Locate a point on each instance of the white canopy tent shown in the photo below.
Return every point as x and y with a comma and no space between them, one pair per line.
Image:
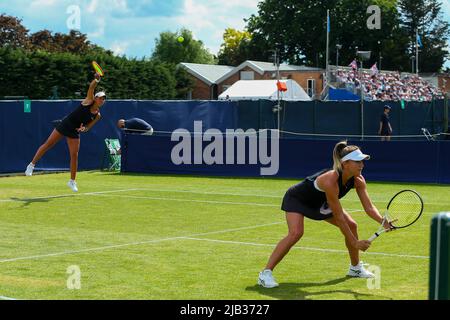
264,89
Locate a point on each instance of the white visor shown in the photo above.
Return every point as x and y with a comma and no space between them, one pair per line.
356,155
100,94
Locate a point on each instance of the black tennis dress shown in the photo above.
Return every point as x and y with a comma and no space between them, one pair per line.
307,199
384,119
69,125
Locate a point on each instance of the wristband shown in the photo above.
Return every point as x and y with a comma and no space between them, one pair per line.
97,80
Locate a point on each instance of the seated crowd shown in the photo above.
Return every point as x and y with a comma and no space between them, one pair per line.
388,86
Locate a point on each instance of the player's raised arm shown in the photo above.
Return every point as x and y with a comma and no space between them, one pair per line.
90,94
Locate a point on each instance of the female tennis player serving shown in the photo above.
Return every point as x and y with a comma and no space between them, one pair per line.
80,120
317,197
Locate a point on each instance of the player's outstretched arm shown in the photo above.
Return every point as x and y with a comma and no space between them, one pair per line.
90,94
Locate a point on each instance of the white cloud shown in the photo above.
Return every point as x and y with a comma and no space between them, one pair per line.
42,3
446,7
120,5
106,8
100,31
251,4
92,7
209,19
119,47
196,15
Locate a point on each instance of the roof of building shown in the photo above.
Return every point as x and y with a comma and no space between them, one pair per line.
214,74
269,66
209,73
262,67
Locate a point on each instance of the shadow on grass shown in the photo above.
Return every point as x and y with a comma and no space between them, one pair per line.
27,201
295,291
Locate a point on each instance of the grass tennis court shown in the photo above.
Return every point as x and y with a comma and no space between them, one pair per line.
183,237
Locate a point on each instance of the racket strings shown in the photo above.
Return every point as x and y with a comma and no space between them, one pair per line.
97,68
404,209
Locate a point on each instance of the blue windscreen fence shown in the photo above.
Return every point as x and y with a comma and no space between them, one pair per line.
402,161
23,130
21,133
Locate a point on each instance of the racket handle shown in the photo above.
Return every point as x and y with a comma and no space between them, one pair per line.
373,237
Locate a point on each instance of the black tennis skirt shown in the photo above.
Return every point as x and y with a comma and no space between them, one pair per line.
293,204
65,129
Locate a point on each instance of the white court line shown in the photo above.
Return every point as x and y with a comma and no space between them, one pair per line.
208,201
132,243
374,199
177,191
307,248
6,298
106,194
192,200
193,237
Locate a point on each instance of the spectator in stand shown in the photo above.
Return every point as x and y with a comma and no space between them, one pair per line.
388,86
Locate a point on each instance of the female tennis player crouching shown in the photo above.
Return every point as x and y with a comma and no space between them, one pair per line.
317,197
80,120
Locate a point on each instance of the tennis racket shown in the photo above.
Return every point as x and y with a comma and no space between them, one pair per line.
97,68
402,211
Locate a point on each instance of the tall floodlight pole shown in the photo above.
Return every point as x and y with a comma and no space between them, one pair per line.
417,52
338,47
276,63
278,91
362,100
380,58
363,55
446,125
327,68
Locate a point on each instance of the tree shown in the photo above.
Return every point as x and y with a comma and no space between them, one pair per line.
15,35
298,29
42,40
295,28
169,49
74,42
71,73
12,32
185,83
426,17
235,48
389,42
62,63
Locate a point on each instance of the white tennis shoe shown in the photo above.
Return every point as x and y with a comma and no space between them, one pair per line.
266,279
73,185
29,171
359,271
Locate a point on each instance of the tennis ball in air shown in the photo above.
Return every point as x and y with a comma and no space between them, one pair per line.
180,39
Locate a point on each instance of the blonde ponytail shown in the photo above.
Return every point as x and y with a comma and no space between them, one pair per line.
341,149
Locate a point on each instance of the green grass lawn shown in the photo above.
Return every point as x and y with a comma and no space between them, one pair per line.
183,237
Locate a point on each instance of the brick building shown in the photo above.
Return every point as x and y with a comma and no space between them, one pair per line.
212,80
439,80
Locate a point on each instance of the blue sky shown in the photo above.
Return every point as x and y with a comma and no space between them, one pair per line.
130,27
